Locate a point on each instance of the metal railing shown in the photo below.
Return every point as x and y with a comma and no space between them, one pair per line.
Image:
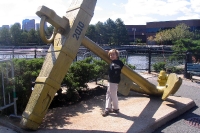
125,52
7,86
22,53
122,54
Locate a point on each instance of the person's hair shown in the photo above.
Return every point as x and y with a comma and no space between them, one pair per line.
113,51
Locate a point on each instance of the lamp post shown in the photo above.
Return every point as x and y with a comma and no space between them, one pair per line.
134,29
100,38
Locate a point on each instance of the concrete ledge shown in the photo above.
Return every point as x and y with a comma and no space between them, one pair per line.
170,109
138,114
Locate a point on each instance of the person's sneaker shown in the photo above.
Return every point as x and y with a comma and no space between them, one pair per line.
110,111
105,113
115,111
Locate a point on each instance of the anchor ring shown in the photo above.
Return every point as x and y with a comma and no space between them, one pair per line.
42,33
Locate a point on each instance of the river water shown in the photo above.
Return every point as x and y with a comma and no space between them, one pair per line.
140,61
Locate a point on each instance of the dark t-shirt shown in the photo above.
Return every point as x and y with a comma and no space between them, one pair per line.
115,71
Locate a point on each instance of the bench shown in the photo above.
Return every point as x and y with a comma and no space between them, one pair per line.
193,69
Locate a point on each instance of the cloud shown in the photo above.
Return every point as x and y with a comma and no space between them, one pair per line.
97,8
114,4
142,11
132,12
189,16
195,6
136,19
158,7
22,9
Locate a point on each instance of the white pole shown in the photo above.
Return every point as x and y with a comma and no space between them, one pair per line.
134,29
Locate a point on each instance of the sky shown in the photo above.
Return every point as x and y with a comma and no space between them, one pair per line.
131,12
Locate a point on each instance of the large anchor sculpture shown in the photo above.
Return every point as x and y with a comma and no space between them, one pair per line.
69,33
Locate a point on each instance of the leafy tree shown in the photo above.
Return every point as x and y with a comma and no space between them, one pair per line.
150,39
38,38
186,45
110,32
24,37
185,40
15,32
101,32
121,35
5,37
91,33
182,38
196,35
16,37
32,37
110,27
181,31
49,31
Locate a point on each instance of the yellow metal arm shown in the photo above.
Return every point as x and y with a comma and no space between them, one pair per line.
172,85
143,85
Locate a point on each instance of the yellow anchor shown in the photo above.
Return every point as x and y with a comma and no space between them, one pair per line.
69,33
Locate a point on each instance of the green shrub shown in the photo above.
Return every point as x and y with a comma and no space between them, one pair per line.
79,73
26,71
175,70
82,72
100,69
159,66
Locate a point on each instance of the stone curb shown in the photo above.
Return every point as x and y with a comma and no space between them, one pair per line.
169,117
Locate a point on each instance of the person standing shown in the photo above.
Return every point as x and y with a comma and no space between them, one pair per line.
114,78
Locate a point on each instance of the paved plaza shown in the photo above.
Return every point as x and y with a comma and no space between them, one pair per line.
139,113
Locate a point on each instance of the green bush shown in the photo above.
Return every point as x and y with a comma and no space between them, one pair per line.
159,66
175,70
26,71
82,72
77,77
100,69
6,82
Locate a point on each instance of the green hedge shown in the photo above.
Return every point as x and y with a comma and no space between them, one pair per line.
159,66
77,77
27,70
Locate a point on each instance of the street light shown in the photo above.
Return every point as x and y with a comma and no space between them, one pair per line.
100,38
134,29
